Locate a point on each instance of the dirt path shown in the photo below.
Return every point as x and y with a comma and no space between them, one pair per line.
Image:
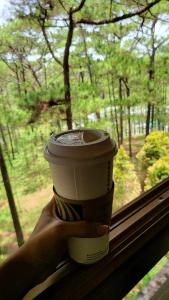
34,200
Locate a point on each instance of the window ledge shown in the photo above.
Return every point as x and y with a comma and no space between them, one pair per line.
139,237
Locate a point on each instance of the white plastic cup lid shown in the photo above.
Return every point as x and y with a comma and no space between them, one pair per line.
80,145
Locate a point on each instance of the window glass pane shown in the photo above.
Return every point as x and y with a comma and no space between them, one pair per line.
148,166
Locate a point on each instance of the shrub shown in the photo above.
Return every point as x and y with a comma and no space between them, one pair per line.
156,146
157,172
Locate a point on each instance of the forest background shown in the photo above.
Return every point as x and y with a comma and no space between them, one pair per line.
71,64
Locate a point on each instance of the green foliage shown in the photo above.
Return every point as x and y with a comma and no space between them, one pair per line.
156,146
29,162
125,178
5,218
153,158
157,172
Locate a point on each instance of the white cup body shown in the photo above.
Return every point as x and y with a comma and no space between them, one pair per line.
88,250
82,182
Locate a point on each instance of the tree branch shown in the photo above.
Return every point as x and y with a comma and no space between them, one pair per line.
161,43
41,20
61,3
119,18
79,7
34,74
8,65
49,45
110,11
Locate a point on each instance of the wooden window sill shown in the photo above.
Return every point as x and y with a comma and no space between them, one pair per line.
139,237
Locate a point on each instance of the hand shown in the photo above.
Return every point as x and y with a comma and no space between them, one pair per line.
39,256
48,242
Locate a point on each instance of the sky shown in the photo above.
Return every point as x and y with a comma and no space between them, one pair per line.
3,9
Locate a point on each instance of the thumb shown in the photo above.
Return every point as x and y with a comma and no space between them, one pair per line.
83,229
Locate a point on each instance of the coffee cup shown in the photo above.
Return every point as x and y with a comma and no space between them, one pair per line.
81,163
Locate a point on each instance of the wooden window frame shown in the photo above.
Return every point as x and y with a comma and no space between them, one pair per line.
139,237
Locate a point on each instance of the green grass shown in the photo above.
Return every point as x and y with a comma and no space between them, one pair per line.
29,209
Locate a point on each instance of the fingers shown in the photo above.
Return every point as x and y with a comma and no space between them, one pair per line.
49,205
82,229
50,208
69,229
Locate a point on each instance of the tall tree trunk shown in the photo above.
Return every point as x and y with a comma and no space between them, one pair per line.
115,115
66,71
18,80
129,127
66,75
117,125
165,105
11,141
142,127
98,115
152,115
139,127
125,80
110,97
134,128
23,77
81,75
151,74
121,111
45,74
148,117
158,119
89,63
11,200
5,143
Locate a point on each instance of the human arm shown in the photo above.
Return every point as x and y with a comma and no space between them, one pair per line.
39,256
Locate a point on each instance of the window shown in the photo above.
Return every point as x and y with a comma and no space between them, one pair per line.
139,237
